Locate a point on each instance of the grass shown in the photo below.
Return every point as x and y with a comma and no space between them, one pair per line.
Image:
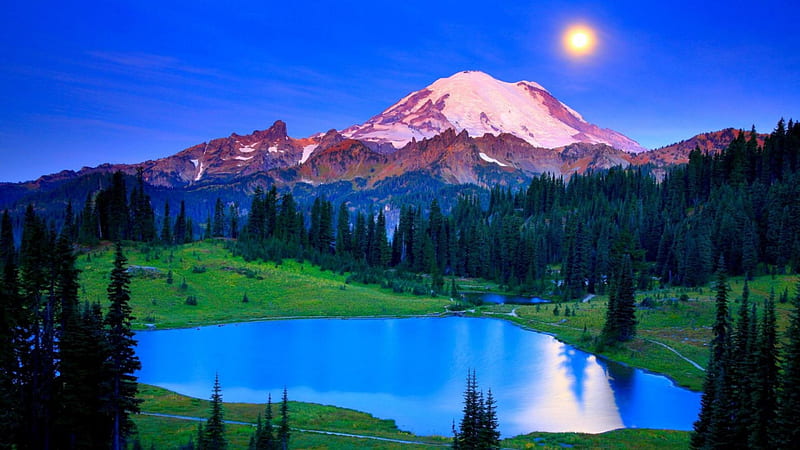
219,282
622,439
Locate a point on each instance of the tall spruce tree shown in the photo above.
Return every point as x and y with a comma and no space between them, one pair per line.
764,399
478,426
283,427
786,432
264,438
713,426
10,312
742,369
218,228
214,437
166,226
122,362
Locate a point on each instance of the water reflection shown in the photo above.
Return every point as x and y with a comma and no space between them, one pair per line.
413,371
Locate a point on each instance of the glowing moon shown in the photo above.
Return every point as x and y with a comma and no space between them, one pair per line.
579,40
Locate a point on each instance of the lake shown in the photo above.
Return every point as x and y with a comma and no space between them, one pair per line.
414,371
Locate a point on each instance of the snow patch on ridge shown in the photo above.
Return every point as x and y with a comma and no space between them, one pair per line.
489,159
307,151
244,158
273,149
248,148
199,172
195,162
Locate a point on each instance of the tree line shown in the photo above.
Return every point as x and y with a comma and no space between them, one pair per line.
566,239
751,393
66,369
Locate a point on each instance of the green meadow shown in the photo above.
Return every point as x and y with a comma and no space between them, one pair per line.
210,286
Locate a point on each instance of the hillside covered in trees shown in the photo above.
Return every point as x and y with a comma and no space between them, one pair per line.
556,237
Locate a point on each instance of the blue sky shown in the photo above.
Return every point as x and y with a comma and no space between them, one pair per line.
84,83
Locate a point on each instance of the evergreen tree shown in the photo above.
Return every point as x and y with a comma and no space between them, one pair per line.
179,232
122,362
214,435
218,229
488,434
742,369
10,313
36,333
264,437
478,426
233,213
712,428
620,325
764,399
283,426
344,237
786,433
166,227
88,230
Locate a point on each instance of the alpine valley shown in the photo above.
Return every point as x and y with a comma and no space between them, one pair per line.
464,133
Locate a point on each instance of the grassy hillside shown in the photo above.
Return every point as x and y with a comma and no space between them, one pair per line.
219,282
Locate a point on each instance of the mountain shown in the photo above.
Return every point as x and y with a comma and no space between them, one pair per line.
678,153
466,132
476,102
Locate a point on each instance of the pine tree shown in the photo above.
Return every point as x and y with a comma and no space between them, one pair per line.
786,432
218,229
620,325
166,227
478,426
713,425
122,362
489,435
343,235
742,368
283,426
265,438
233,213
214,436
10,312
764,399
179,232
35,333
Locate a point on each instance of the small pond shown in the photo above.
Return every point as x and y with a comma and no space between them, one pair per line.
499,299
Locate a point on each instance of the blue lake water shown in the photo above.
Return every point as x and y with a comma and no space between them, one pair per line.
414,370
488,297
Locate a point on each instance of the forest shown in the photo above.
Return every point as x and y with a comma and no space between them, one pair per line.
559,238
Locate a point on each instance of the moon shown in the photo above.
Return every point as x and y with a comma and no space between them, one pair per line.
579,40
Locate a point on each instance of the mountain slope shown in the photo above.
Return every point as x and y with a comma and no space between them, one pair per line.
476,102
712,142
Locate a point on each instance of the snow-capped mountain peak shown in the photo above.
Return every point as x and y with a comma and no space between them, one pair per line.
478,103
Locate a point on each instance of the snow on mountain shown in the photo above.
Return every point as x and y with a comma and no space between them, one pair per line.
476,102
